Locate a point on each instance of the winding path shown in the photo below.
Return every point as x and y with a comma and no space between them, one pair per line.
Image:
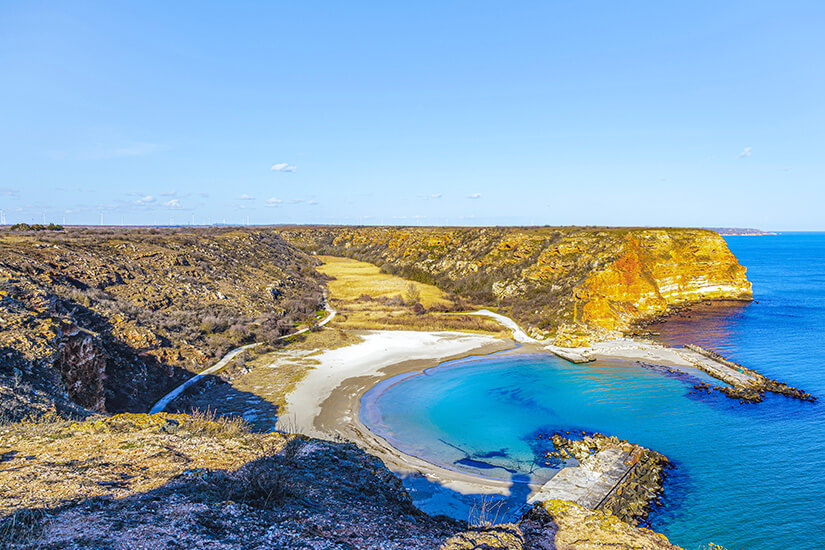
518,333
169,397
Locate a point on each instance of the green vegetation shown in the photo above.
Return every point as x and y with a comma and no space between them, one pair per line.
35,227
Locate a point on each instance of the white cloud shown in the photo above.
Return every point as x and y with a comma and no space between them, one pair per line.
246,197
435,196
746,152
147,199
474,196
8,191
174,203
283,167
273,202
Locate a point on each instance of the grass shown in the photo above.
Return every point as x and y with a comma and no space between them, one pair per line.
389,320
354,279
271,376
485,512
367,299
282,370
117,456
209,424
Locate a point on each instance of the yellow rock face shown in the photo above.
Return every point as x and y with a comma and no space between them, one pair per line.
656,269
572,284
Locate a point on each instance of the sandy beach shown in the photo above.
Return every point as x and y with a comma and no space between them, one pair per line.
327,401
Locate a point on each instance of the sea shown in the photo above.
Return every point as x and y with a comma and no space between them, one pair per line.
744,475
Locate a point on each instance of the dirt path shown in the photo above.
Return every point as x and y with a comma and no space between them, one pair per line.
169,397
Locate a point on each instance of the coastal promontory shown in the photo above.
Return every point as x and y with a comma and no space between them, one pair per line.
570,284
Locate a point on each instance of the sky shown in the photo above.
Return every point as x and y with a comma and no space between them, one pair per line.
436,113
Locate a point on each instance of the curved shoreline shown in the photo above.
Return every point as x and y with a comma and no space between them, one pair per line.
327,402
336,411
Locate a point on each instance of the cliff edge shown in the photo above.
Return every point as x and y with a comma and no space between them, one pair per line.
568,284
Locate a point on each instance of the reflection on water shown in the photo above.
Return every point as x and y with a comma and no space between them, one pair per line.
709,324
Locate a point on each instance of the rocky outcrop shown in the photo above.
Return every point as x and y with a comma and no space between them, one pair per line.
746,384
608,474
82,365
574,527
177,481
181,481
108,320
493,537
560,525
566,283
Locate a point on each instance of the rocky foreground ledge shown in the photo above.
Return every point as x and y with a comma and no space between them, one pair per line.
181,481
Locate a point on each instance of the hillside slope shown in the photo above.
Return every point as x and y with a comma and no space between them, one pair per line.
566,283
179,481
109,320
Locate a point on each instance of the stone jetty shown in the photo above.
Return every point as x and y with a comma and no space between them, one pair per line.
745,384
612,475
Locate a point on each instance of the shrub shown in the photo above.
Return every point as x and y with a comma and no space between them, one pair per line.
262,483
412,293
36,227
212,324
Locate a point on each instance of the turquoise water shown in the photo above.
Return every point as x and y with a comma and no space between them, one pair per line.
745,476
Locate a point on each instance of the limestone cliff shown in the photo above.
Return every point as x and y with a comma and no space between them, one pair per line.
565,283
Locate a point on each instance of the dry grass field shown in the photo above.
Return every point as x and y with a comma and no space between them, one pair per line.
368,299
354,279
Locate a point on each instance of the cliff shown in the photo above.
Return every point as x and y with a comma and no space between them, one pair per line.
569,284
108,320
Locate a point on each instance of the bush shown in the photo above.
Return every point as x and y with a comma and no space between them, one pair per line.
266,482
212,324
262,483
207,423
36,227
412,293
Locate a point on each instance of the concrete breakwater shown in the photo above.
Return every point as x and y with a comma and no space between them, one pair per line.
745,384
612,475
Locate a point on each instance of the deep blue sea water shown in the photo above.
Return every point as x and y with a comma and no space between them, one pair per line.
745,476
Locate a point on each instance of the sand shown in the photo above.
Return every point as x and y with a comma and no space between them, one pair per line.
327,401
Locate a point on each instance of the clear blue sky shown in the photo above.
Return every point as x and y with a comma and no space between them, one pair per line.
615,113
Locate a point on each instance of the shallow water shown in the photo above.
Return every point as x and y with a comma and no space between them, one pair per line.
746,476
